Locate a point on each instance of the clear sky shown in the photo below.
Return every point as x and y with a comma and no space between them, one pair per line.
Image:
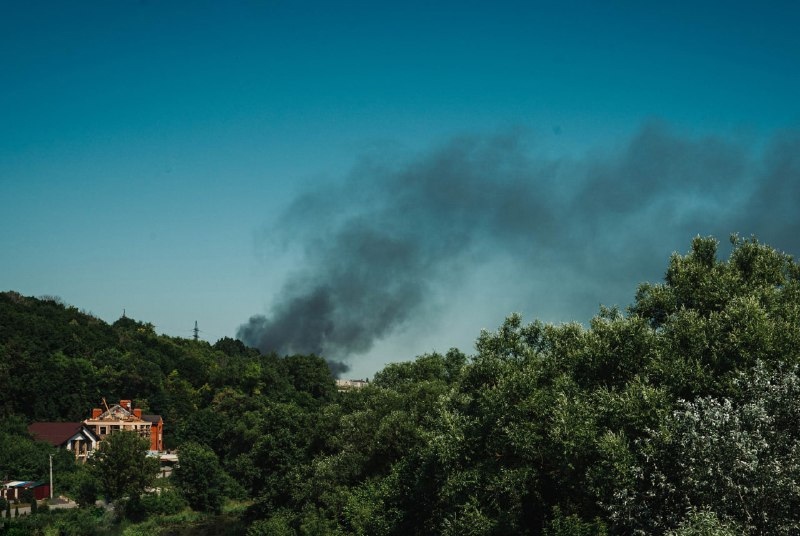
383,179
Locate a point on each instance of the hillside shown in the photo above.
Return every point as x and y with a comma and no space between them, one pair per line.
59,362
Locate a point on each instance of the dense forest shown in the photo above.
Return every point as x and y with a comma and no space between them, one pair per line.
679,415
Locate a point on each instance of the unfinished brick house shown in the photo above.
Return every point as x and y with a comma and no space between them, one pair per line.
124,416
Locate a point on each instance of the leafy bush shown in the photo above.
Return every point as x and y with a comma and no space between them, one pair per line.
167,502
704,523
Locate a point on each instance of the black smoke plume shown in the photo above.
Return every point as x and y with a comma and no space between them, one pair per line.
382,248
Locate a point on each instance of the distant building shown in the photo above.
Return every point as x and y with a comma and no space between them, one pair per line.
73,436
347,385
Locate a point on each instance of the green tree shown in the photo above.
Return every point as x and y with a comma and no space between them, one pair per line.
200,478
121,466
735,458
278,524
85,489
704,523
714,318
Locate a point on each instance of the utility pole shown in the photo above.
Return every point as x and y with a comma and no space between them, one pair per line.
196,331
51,477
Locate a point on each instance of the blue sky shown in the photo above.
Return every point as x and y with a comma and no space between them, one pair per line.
212,161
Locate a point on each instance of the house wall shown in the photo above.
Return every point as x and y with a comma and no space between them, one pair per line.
157,436
81,448
42,492
104,427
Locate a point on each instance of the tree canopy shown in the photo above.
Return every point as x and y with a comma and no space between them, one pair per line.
121,466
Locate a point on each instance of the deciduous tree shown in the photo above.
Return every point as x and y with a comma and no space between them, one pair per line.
200,478
122,467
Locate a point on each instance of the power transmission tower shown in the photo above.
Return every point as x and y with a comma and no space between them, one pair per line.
196,331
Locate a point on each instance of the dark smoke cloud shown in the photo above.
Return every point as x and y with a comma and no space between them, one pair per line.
384,246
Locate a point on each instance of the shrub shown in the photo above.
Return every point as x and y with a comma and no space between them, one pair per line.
168,502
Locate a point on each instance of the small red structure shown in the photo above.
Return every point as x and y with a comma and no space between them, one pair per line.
12,490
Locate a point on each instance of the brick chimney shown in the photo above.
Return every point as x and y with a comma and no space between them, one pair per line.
96,412
125,404
137,413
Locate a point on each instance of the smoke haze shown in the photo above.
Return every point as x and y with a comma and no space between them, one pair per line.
383,249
